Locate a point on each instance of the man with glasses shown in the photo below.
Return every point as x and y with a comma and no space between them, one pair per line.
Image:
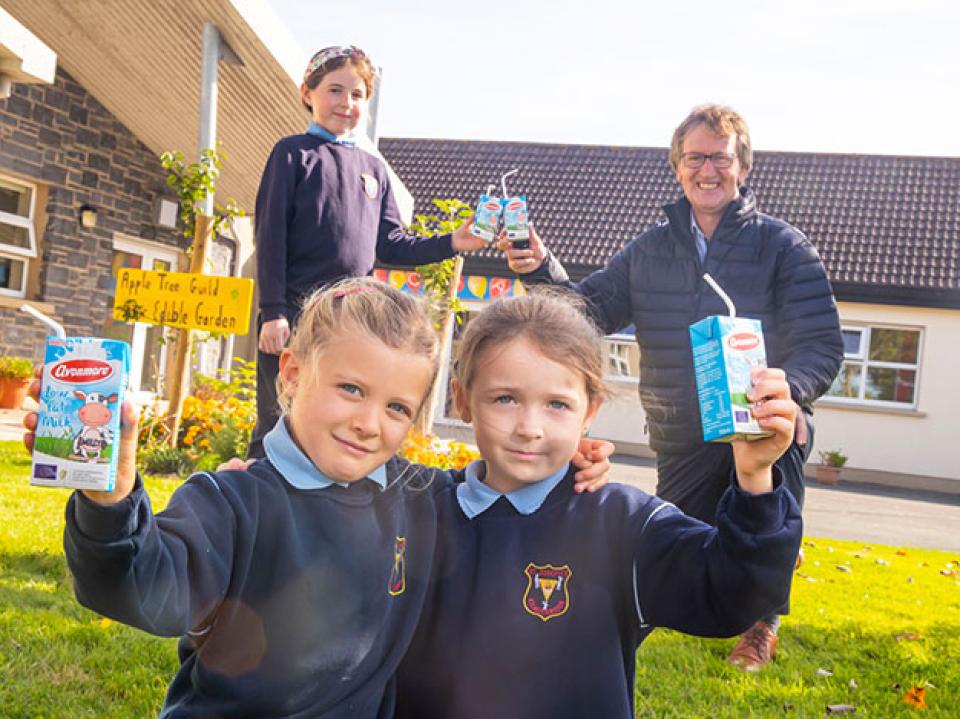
772,273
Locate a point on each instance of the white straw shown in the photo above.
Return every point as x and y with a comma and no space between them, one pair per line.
723,295
490,189
57,328
503,181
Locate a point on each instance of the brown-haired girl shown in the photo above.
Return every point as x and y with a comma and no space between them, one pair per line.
541,596
325,211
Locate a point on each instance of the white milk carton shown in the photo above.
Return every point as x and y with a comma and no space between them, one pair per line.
487,217
515,221
78,425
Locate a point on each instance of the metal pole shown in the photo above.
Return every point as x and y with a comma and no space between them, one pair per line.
208,98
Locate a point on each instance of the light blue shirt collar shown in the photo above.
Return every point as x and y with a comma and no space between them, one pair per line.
315,129
699,237
475,497
296,468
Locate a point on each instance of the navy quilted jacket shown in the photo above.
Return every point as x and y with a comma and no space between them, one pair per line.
769,269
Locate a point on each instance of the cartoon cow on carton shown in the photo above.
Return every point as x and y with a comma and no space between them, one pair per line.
93,437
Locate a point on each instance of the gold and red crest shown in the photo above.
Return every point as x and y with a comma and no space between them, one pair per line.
547,595
398,581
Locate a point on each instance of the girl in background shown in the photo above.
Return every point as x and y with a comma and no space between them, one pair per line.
324,212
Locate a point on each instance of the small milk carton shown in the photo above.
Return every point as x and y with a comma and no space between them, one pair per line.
725,349
487,217
78,424
515,221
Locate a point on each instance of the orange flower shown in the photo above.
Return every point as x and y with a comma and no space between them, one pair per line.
915,696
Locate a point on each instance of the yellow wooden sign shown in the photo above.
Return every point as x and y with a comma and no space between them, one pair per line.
182,299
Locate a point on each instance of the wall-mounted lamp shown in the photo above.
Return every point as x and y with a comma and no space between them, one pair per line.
88,216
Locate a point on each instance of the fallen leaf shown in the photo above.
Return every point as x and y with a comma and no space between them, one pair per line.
909,580
907,635
841,709
866,548
900,553
923,564
858,556
915,696
824,672
103,622
948,572
883,562
808,543
853,684
844,568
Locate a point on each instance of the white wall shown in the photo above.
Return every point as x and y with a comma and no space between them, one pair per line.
922,442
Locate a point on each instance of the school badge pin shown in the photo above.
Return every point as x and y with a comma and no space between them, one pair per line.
547,596
398,574
370,185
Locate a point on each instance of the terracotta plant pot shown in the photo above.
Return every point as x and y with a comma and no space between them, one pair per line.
13,392
828,475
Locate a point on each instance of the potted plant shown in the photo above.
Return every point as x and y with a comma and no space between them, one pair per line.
828,471
15,376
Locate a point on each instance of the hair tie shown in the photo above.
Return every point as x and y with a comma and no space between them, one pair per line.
340,294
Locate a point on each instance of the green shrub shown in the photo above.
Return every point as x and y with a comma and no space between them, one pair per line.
16,368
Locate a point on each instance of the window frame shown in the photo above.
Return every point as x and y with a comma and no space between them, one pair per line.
20,254
862,359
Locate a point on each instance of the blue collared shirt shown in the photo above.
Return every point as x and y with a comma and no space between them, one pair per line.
296,468
315,129
699,237
476,497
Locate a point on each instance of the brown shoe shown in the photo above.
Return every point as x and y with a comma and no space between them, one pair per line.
756,648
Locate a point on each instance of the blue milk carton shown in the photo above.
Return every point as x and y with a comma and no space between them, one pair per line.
487,217
725,349
78,424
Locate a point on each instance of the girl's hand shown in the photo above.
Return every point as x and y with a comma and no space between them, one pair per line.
592,459
776,411
463,239
524,261
235,463
274,335
127,462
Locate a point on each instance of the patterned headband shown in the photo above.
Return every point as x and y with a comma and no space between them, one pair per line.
331,53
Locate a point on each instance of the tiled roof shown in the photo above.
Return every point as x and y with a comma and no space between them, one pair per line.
885,226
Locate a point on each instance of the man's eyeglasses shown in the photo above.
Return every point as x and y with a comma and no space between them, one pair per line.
695,160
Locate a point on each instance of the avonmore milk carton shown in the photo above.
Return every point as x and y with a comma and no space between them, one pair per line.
487,217
515,221
725,349
78,424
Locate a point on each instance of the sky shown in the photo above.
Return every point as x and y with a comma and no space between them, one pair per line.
847,76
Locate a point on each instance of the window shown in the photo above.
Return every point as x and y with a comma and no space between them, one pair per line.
621,357
18,242
880,366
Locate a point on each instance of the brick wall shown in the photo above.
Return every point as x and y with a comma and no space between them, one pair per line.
61,137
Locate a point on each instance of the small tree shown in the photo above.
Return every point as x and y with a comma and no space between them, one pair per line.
194,182
440,282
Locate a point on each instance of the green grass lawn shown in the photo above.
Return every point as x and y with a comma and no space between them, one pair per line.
889,623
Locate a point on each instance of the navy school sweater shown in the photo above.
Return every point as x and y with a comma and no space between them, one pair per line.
541,615
325,212
290,603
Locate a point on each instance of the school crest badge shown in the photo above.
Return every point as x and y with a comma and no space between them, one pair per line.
398,576
370,185
547,595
